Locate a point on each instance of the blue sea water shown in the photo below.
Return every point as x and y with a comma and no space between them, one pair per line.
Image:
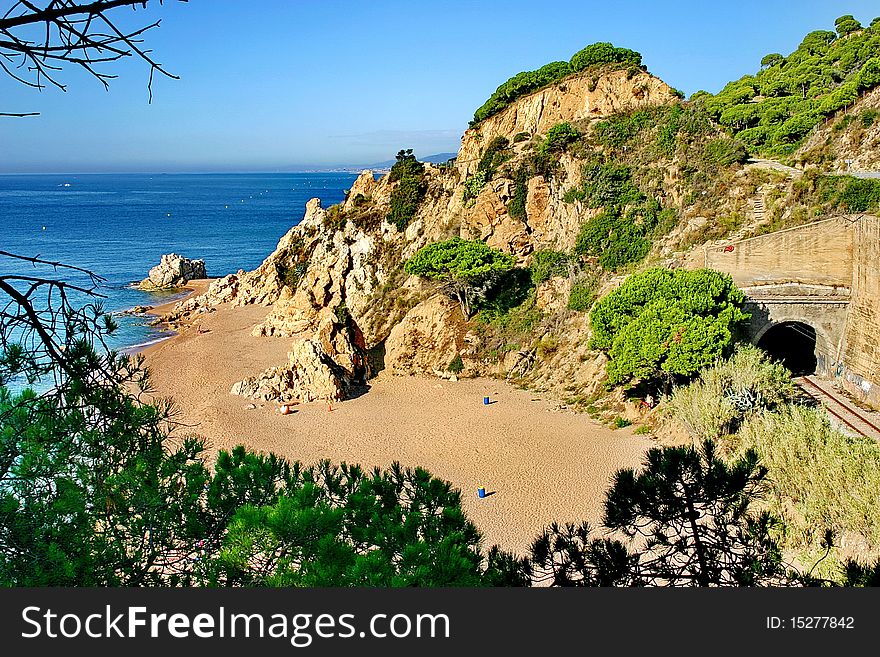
119,225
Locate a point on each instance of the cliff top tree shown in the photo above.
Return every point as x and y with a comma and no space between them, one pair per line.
667,324
463,266
526,82
409,174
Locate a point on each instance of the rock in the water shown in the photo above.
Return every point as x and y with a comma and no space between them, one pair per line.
173,271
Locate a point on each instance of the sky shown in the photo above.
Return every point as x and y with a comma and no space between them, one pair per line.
284,85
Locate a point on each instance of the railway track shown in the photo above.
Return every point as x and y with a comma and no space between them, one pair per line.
841,410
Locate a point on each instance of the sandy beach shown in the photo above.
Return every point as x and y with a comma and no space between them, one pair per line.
538,464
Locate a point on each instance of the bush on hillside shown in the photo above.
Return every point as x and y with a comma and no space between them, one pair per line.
731,391
667,324
821,479
407,196
558,138
527,82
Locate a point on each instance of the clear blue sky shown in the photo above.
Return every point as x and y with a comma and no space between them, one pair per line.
284,84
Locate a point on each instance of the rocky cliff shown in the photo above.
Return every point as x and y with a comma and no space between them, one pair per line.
336,284
173,271
586,96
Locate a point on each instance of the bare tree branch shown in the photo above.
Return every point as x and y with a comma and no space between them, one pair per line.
38,39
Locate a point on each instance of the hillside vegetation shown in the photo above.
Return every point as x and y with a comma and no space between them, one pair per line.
526,82
773,110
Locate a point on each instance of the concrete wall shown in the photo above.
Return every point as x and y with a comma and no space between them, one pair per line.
825,274
861,358
818,253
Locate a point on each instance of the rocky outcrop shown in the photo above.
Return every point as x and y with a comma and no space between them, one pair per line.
310,375
428,338
336,284
552,295
173,271
586,96
324,366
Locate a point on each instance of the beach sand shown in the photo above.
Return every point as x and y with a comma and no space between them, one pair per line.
538,464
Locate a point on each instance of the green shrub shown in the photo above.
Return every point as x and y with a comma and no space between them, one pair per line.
669,324
849,193
729,392
334,218
407,196
456,365
521,136
614,238
547,264
583,293
473,186
547,346
512,289
405,166
621,422
725,151
558,138
820,478
496,152
516,208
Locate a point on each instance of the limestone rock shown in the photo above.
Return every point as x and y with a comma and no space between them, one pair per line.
361,190
579,97
552,295
324,366
309,375
427,339
173,271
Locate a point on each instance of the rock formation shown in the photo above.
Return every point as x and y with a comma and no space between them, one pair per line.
173,271
336,285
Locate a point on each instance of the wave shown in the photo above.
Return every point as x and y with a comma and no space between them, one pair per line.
135,348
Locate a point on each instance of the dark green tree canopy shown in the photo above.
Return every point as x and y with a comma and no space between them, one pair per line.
461,265
847,25
662,323
604,53
772,59
406,197
690,513
773,110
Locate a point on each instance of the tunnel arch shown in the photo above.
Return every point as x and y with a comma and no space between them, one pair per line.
793,343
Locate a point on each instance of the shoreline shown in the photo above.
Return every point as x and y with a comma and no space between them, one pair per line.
192,288
538,463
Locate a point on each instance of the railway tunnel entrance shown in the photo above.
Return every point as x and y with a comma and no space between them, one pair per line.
793,344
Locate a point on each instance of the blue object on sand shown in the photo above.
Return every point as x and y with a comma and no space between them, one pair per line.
481,492
485,401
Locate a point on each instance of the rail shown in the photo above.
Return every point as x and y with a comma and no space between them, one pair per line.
811,387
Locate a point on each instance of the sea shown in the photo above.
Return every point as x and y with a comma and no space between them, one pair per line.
119,225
